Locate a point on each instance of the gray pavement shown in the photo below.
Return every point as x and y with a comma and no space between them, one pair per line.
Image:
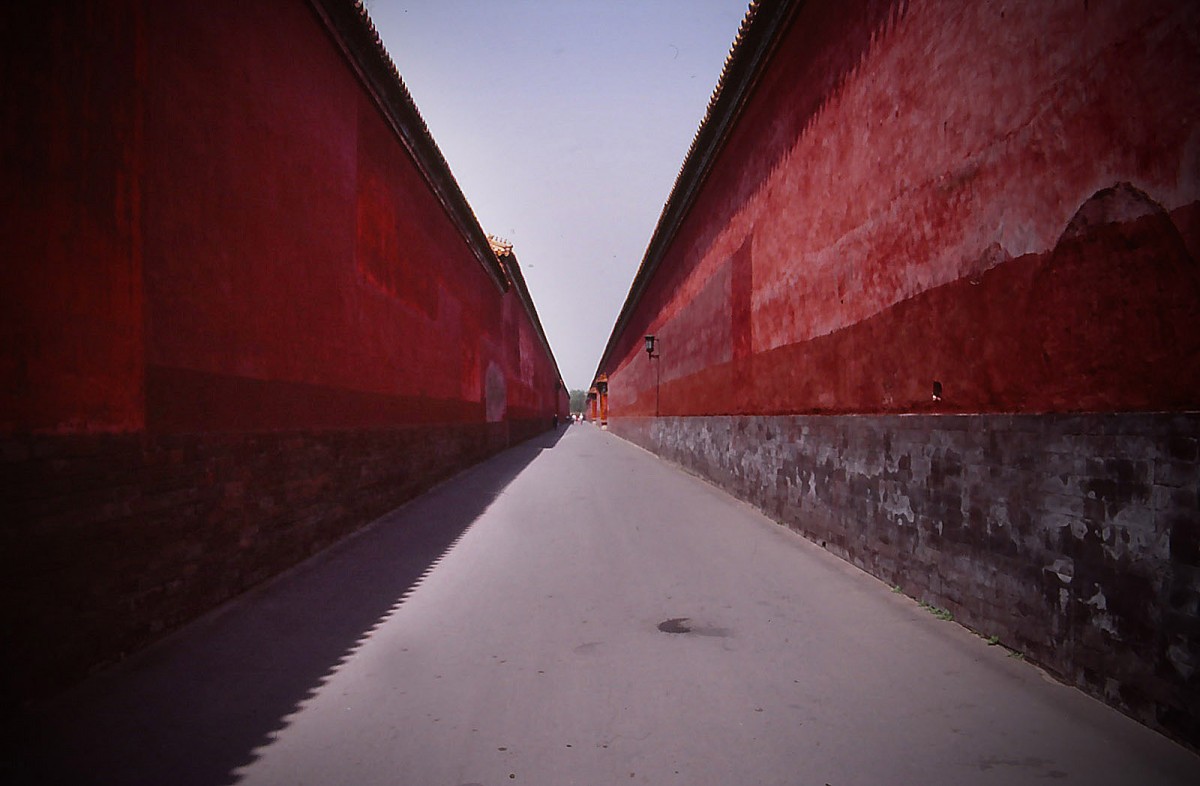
504,628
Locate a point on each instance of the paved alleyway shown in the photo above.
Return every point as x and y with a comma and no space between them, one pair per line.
505,629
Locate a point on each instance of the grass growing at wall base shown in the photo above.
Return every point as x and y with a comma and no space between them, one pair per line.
947,615
937,611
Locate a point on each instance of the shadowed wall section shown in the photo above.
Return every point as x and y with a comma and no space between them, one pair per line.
911,241
246,310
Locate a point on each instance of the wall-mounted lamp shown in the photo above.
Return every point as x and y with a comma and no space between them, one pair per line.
650,344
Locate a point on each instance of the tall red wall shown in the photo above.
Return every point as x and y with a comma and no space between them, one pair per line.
218,230
998,197
238,319
71,301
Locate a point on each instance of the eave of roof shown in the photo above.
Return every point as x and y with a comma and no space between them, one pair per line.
756,40
352,30
512,268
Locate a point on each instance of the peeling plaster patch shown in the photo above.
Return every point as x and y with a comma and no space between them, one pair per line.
1123,203
1182,659
1105,623
1064,569
901,509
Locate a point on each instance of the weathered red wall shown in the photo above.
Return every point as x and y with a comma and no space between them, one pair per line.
238,320
70,283
1003,198
215,228
297,257
999,198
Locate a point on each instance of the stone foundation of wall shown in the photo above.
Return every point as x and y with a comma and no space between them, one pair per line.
1075,539
109,541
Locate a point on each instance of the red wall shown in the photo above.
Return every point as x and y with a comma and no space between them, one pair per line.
238,321
219,231
999,198
71,303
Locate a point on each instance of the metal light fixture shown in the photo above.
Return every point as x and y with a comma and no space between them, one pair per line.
650,343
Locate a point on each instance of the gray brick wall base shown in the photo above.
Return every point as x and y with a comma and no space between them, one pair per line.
108,542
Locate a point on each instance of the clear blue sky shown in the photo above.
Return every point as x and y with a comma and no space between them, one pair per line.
565,124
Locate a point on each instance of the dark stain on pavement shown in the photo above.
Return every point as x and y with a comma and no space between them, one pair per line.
675,625
685,625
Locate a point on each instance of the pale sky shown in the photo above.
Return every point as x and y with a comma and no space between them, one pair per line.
565,124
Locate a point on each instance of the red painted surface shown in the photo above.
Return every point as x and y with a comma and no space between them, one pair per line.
238,323
216,229
70,162
1002,199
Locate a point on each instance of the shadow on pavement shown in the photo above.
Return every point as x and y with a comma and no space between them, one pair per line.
194,708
